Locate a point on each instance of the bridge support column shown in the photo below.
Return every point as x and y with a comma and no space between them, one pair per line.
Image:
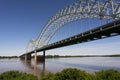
27,58
35,57
44,56
35,62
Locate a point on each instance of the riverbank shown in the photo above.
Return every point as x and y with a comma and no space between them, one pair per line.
66,74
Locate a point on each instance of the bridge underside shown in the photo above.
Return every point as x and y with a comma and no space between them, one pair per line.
107,9
28,57
82,9
108,30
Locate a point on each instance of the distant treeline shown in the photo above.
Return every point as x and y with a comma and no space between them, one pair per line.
67,56
115,55
8,57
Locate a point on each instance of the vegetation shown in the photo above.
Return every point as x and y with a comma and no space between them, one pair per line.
75,74
66,74
69,74
9,57
68,56
116,55
108,75
15,75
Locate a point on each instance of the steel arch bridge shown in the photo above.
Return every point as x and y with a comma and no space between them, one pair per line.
101,9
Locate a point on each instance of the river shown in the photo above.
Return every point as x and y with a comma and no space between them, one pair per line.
89,64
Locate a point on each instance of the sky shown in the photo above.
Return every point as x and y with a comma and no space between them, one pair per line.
23,20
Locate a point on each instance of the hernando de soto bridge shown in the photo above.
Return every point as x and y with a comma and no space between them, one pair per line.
83,9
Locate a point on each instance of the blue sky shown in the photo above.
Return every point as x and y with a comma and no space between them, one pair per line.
22,20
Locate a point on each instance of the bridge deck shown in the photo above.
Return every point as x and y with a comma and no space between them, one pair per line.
104,31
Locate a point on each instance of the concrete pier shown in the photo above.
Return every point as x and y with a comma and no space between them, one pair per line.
27,57
35,58
41,58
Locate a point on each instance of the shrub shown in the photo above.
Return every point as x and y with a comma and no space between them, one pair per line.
75,74
69,74
15,75
49,76
66,74
108,75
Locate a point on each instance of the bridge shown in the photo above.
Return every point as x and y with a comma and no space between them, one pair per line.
83,9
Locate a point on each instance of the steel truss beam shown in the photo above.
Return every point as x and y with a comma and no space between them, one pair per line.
102,9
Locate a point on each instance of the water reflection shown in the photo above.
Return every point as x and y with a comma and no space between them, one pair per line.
90,64
32,65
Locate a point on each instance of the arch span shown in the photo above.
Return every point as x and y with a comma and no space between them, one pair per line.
107,9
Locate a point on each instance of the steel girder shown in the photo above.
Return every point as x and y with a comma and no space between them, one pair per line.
102,9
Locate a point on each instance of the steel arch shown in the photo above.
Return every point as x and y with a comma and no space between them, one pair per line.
102,9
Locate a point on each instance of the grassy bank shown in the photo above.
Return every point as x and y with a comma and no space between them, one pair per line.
66,74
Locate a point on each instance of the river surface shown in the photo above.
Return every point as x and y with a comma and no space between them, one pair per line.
89,64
